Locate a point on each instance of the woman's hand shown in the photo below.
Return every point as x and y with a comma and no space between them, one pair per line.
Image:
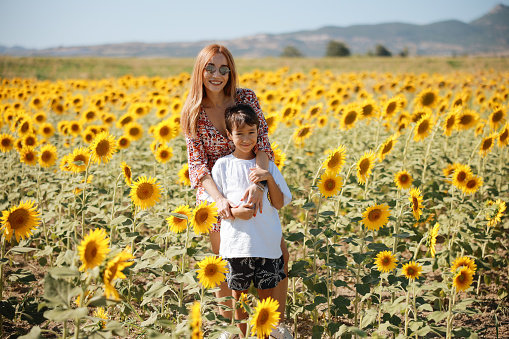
254,196
244,212
224,207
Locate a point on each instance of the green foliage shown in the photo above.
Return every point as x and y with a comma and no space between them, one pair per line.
291,52
337,49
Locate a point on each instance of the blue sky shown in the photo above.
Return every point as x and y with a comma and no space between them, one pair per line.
52,23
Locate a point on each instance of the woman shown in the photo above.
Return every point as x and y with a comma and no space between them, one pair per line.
214,88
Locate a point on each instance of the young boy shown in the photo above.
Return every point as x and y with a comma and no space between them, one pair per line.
250,244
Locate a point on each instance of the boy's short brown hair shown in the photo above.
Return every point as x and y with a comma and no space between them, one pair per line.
238,115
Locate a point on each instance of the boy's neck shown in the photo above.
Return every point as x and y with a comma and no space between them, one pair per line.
243,156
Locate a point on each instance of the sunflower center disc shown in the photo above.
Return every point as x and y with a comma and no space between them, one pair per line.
164,131
364,165
334,160
263,316
18,218
350,118
145,191
102,148
203,216
403,178
330,184
211,270
374,215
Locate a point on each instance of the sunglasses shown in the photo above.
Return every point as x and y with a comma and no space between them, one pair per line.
223,70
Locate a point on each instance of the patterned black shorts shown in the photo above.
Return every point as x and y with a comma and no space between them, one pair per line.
264,273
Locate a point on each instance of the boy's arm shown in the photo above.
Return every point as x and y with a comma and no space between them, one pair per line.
244,212
276,195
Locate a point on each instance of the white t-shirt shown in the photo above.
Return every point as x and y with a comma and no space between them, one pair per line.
259,236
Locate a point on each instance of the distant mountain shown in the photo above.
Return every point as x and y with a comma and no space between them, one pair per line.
487,35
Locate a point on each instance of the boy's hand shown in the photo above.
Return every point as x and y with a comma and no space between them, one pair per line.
258,174
244,212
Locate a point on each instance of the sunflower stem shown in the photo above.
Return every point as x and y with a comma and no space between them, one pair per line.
2,253
406,145
83,201
452,300
112,227
39,202
482,257
427,153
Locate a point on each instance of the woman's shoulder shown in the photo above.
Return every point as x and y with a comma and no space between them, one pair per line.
245,94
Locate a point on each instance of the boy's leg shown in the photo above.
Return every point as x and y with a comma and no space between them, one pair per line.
240,313
224,291
281,290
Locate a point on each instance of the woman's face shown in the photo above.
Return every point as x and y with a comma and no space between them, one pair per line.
215,82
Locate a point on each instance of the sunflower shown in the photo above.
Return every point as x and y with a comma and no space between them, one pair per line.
427,98
265,318
114,270
196,321
330,184
279,156
302,133
450,123
20,220
463,262
385,261
463,279
48,156
93,249
272,122
123,142
412,270
102,147
403,180
322,121
467,119
376,216
28,156
89,115
486,145
139,109
387,147
165,131
75,128
6,142
204,216
432,239
390,108
349,116
494,216
47,130
315,110
416,200
335,160
124,120
145,192
101,313
368,109
212,271
126,170
133,131
30,140
460,175
89,181
497,117
78,160
364,166
176,224
423,127
163,154
184,175
472,184
419,112
503,136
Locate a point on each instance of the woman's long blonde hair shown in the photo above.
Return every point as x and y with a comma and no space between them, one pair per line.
192,106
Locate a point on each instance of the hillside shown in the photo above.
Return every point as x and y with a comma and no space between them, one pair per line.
488,34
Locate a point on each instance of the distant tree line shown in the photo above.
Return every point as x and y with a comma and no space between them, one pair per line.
340,49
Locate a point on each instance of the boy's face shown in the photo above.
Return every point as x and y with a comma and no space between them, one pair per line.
244,138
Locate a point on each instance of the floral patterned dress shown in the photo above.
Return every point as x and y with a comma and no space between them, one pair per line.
209,144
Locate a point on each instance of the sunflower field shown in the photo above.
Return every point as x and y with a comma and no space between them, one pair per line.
397,227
